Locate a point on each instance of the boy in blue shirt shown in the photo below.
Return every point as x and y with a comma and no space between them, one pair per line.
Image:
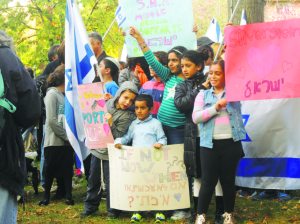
145,131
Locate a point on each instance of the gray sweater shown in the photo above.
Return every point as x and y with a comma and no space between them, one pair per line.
121,118
55,133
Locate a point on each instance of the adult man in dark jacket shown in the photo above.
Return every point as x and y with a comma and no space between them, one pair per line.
21,91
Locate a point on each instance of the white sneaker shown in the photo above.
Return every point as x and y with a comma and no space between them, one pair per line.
228,218
200,219
178,215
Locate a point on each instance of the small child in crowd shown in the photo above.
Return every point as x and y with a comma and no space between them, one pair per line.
155,87
145,131
110,68
119,118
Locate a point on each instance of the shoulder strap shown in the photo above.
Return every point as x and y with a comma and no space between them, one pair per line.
5,103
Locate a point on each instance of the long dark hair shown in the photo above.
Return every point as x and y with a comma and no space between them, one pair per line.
178,51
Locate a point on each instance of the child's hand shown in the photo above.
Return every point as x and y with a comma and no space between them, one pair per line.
220,104
107,96
134,32
157,145
206,83
108,117
118,146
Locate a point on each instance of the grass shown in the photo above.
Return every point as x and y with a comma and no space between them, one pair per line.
246,210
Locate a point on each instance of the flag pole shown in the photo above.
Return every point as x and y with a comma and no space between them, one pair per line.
230,21
109,28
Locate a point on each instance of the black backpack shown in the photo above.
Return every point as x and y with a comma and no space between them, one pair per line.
5,104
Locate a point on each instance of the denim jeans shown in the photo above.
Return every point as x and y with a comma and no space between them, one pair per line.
8,207
174,135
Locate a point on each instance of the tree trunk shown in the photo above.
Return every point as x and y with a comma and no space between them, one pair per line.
254,10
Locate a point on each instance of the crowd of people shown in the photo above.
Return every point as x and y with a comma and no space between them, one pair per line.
162,98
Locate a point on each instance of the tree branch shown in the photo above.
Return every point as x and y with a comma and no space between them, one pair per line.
38,9
25,38
29,27
93,9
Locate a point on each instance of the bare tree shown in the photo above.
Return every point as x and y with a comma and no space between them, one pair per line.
254,10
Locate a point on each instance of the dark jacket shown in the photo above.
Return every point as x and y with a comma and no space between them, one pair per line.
185,94
22,92
101,57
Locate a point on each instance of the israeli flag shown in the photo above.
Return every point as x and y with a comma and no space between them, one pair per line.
120,16
243,18
272,155
79,64
214,32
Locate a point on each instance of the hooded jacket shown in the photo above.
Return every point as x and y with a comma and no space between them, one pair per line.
121,118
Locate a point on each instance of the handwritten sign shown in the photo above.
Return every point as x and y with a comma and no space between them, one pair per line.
163,23
93,108
145,179
281,10
262,61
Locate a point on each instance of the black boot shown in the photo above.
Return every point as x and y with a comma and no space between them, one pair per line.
219,210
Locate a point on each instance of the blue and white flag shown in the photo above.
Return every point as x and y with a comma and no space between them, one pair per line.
243,18
79,65
272,145
120,16
214,32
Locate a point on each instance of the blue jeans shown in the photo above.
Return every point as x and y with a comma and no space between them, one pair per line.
8,207
174,135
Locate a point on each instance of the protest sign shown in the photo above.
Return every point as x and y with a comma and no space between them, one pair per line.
163,24
93,108
262,62
145,179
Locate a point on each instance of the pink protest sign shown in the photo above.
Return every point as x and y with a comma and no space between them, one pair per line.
262,61
93,108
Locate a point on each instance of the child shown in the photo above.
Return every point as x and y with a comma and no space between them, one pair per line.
155,87
192,64
221,132
119,118
144,131
57,150
109,68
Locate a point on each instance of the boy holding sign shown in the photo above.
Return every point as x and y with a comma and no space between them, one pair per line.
144,131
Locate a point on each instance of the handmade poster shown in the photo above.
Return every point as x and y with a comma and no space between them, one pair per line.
145,179
262,61
163,23
93,109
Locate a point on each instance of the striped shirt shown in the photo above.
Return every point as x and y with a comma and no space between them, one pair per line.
168,114
156,90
